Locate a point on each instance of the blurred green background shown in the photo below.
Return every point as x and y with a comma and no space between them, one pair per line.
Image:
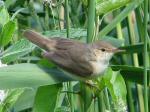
32,84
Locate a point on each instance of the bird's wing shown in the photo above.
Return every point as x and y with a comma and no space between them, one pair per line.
63,60
64,43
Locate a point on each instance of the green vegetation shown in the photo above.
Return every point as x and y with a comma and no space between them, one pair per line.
33,84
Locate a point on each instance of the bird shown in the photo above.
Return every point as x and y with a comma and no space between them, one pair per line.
85,60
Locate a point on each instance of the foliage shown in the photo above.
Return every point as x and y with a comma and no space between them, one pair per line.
34,84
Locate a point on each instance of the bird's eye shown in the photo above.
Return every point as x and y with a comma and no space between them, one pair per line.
103,50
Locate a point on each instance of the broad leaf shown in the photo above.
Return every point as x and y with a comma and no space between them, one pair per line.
117,88
29,75
137,48
75,33
105,6
17,50
25,100
46,98
114,41
131,73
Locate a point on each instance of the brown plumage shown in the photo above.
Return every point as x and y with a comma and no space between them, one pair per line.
73,56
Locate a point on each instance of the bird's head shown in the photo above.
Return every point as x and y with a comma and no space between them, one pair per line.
104,50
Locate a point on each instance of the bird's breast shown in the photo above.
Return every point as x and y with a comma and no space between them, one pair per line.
98,67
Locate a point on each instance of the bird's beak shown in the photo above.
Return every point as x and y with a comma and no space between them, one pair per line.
117,50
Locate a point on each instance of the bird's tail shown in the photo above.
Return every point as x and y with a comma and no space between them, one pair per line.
39,40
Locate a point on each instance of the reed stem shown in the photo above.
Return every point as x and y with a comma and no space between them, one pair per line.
145,55
91,20
67,18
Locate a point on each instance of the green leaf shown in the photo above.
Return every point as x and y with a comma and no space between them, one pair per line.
25,100
46,98
7,33
105,6
136,48
86,95
17,50
119,18
10,100
131,73
117,88
75,33
29,75
4,15
114,41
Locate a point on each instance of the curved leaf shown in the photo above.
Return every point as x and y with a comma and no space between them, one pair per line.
46,97
117,88
17,50
105,6
131,73
7,32
4,15
29,75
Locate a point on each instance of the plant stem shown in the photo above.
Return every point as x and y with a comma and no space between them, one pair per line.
46,17
70,88
67,18
101,106
128,84
61,17
91,20
135,57
34,14
107,99
145,55
130,98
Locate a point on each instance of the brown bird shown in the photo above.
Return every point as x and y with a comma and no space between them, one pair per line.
80,59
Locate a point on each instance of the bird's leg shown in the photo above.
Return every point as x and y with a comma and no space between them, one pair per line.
95,84
91,84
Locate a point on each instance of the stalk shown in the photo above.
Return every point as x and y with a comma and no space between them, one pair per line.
141,33
145,55
67,18
101,106
34,14
70,88
107,99
91,20
130,97
128,84
135,59
61,17
46,17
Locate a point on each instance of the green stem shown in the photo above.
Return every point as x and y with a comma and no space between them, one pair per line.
46,17
50,6
145,55
91,20
101,106
34,14
130,98
70,95
107,99
128,84
135,55
67,18
97,23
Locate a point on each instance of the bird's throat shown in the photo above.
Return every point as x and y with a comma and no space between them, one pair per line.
99,67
